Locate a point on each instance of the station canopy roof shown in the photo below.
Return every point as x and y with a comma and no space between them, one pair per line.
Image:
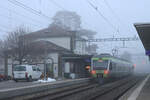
143,30
77,57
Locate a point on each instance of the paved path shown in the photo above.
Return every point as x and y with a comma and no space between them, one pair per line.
145,92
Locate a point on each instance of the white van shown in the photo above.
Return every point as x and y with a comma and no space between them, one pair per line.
26,72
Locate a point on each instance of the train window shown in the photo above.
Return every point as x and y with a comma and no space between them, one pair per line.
113,66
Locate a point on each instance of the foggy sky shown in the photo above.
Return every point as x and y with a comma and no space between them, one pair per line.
128,12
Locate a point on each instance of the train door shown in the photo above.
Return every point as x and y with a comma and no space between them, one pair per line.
111,71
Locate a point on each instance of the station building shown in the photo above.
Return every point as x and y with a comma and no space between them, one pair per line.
65,56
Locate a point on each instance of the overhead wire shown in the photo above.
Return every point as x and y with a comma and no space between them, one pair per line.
97,10
107,4
29,9
114,13
56,4
16,3
7,17
106,20
26,17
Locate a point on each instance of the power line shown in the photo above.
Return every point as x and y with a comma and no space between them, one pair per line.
113,12
27,8
56,4
59,6
96,9
17,13
7,17
107,4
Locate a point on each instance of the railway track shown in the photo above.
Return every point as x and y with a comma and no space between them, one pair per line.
58,93
66,91
90,91
111,91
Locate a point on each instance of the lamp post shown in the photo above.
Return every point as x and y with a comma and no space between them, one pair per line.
45,56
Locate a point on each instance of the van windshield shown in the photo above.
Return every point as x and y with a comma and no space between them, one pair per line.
19,68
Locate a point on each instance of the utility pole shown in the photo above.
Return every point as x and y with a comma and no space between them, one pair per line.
45,58
6,63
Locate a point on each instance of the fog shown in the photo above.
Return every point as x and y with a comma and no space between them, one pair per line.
122,15
142,63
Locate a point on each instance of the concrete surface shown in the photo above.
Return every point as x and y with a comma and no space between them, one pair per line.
145,92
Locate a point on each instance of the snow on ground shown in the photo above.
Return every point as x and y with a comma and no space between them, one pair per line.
48,80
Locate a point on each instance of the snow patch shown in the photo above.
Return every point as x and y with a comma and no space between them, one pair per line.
48,80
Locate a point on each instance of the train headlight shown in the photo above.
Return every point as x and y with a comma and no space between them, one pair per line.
93,72
88,67
106,71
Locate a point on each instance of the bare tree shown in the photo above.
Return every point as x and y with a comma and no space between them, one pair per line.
16,44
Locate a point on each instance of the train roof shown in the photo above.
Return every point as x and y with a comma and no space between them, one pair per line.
111,57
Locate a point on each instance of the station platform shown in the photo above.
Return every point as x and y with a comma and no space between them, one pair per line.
142,92
145,92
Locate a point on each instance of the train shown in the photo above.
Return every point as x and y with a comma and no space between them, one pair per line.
106,67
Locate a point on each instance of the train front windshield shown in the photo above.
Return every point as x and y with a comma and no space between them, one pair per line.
100,64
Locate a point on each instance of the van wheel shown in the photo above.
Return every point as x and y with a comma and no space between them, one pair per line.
30,79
